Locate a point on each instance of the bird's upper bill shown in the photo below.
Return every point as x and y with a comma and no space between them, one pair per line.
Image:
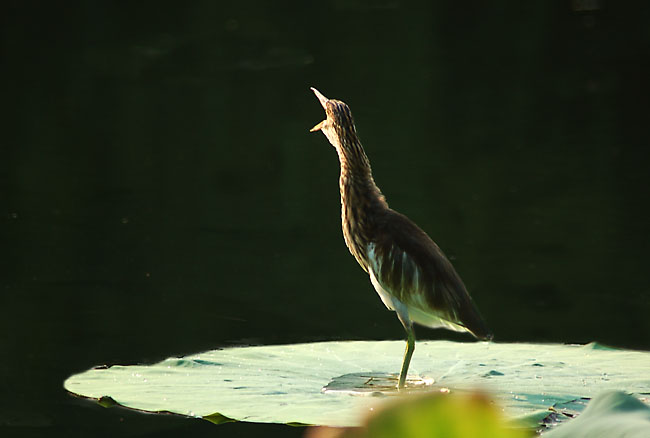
323,101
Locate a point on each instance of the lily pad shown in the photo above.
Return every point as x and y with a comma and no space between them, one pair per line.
609,415
285,383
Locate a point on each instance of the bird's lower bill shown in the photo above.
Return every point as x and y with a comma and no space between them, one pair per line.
317,127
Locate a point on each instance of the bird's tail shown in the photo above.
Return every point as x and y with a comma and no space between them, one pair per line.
476,325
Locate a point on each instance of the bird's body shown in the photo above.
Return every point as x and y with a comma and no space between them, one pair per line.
407,269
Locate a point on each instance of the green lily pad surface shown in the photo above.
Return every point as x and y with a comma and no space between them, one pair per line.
612,414
322,383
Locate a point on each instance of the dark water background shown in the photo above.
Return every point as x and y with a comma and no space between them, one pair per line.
161,195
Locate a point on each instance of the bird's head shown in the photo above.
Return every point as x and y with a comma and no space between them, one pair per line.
338,127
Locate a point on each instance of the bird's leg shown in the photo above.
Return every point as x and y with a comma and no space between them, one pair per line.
410,348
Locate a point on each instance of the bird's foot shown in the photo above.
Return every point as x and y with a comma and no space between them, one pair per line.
375,384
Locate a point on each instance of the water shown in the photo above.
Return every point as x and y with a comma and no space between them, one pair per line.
161,194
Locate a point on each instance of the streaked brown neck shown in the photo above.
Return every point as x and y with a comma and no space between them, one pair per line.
360,196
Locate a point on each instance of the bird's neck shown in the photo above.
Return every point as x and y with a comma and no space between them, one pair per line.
361,200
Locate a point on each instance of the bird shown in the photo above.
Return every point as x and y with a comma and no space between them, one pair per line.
408,270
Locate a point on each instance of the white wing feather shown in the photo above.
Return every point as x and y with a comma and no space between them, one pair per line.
415,308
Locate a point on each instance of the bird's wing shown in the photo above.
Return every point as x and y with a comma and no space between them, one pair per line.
410,270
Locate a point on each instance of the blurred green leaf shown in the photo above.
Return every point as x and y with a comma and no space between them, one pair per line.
434,415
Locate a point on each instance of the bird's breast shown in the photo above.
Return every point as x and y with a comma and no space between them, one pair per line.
355,219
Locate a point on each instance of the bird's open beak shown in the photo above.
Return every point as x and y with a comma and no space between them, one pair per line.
323,101
317,127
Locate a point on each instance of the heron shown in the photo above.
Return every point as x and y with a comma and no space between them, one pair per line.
411,274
